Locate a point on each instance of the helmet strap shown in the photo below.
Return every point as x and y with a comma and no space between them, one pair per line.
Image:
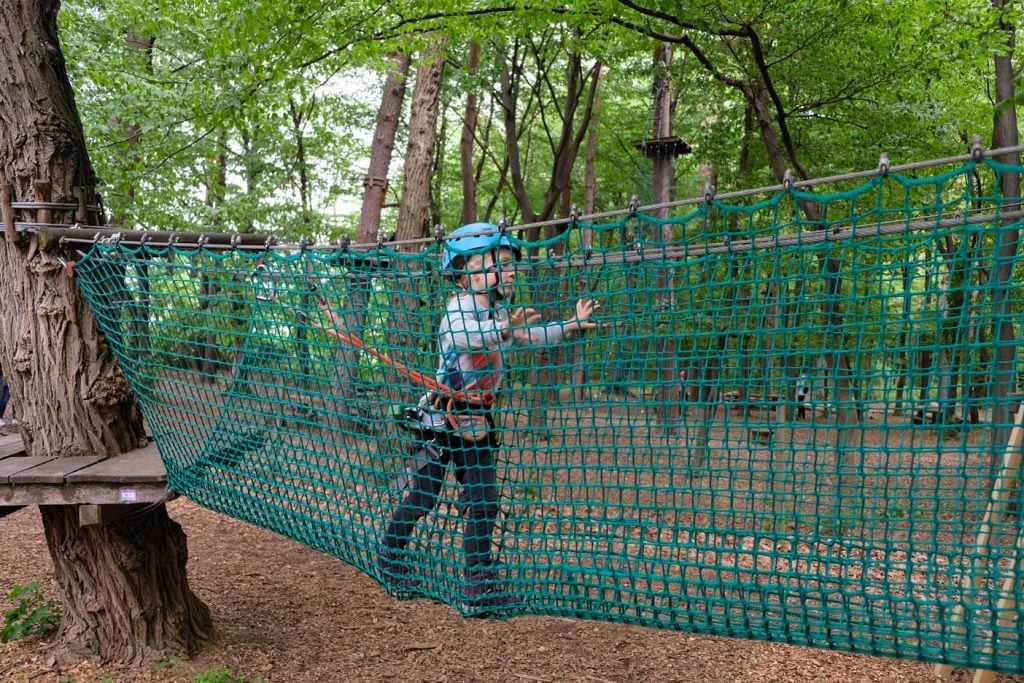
494,293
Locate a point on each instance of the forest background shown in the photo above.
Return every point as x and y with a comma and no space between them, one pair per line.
349,118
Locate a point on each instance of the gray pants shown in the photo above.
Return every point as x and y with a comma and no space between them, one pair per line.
475,470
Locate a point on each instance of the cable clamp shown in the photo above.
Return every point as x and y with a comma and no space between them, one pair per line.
977,150
709,192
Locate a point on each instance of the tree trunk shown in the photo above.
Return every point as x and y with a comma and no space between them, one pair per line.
414,206
300,113
903,363
360,280
667,394
467,143
375,184
216,190
1004,134
419,154
124,577
124,586
565,143
580,377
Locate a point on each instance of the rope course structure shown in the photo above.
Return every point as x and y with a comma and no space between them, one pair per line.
797,421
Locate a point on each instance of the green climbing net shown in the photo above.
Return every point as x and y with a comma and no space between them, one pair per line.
795,423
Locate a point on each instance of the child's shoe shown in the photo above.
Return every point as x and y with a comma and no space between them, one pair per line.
484,594
396,575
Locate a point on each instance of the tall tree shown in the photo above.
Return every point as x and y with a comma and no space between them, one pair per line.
375,184
414,205
413,209
524,96
467,142
1004,134
123,585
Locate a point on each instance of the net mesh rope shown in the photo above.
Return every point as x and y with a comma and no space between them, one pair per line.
786,428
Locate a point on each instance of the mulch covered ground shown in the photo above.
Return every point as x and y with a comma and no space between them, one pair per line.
288,613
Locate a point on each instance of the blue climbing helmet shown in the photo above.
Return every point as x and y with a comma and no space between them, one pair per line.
474,238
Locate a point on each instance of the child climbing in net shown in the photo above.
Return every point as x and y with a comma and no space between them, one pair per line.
476,330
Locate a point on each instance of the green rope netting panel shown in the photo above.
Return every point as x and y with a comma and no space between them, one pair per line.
795,423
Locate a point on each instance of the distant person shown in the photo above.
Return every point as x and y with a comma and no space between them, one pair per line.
801,396
5,397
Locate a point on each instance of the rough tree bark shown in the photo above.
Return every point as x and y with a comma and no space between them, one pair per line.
1004,134
667,394
360,279
414,207
467,142
123,585
375,185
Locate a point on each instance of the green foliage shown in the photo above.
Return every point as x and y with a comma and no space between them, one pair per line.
32,614
223,675
165,664
192,126
528,488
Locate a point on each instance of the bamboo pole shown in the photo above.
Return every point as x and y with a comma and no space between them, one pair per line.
1009,473
1006,609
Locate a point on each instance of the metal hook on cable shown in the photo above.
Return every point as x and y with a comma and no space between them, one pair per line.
709,192
977,150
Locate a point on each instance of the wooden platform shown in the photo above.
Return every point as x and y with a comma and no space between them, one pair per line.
135,477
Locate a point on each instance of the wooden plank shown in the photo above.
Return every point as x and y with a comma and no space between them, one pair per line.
93,494
11,466
139,466
11,445
53,471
